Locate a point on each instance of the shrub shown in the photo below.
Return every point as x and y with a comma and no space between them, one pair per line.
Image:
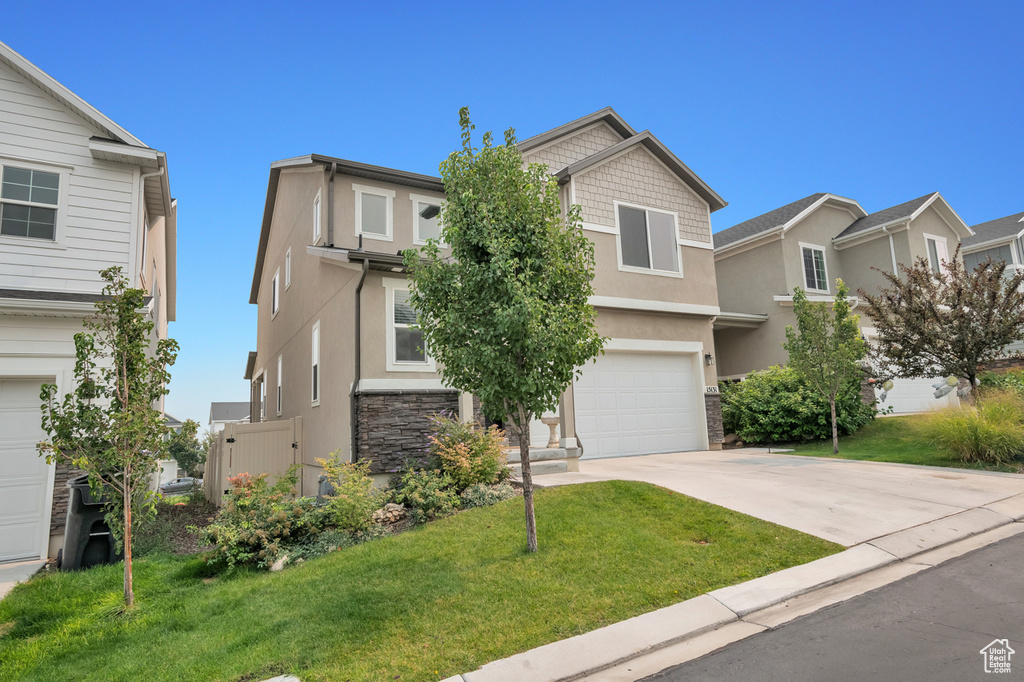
1012,380
775,405
991,431
426,493
481,495
351,505
468,453
257,520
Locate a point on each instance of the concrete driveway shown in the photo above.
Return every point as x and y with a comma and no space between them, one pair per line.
845,501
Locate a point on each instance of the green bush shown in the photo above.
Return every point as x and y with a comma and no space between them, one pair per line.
351,505
482,495
775,405
468,453
258,520
427,494
1012,380
991,431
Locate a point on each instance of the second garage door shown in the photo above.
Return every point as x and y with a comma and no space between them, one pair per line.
638,404
24,475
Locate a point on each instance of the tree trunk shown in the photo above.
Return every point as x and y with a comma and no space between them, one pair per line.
524,460
129,594
835,429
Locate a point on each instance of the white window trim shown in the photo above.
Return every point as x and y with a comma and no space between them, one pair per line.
261,378
280,395
288,268
824,260
315,340
391,284
275,293
60,227
945,245
389,195
417,198
317,210
675,233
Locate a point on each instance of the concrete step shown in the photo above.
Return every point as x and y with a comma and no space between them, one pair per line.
541,454
541,468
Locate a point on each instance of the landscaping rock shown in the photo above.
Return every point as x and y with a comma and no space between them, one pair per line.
279,564
732,441
391,513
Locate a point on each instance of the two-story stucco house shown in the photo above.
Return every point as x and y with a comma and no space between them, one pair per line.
809,244
1001,239
336,343
78,193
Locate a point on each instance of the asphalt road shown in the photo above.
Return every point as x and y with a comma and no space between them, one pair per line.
929,626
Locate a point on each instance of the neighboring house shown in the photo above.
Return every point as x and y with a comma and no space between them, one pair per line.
335,338
1000,240
809,244
222,414
173,424
78,193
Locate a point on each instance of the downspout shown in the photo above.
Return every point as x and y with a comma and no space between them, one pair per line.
358,326
330,207
892,251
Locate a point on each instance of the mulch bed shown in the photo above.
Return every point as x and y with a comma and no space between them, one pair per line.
179,516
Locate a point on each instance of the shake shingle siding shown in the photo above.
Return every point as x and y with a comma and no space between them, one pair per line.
575,148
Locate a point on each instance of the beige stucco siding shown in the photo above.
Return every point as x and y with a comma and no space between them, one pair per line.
929,222
744,350
637,177
858,260
748,280
817,229
577,147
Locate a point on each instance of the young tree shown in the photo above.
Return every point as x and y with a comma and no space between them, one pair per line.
185,448
107,425
949,322
826,349
507,315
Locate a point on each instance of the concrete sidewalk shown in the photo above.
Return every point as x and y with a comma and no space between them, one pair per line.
896,520
12,574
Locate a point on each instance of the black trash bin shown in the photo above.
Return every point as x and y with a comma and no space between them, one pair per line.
87,538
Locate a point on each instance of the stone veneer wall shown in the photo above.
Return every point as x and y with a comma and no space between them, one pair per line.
1004,364
392,425
59,509
713,409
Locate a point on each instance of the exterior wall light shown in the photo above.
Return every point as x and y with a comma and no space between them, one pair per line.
709,359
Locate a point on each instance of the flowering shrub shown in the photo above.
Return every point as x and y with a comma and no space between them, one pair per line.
257,520
426,493
350,507
481,495
468,453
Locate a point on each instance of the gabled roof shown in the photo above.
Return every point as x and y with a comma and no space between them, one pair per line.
782,218
48,84
228,412
1000,229
905,212
661,152
606,115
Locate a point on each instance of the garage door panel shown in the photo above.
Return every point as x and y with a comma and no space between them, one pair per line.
24,475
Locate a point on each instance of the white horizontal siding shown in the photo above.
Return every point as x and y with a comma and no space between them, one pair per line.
98,222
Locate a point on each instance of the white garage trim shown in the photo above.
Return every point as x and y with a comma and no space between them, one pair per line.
651,346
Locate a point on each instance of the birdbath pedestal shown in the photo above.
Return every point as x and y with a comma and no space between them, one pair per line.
552,423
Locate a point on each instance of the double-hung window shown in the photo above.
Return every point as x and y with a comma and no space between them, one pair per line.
275,293
316,218
374,212
29,200
815,272
315,379
425,213
406,349
647,240
938,254
288,268
280,362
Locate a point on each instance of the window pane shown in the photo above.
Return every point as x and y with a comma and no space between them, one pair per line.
41,222
633,237
819,269
409,345
933,255
429,228
664,247
316,382
404,313
375,214
971,260
16,184
14,220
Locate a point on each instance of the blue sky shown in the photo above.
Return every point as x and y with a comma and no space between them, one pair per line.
767,102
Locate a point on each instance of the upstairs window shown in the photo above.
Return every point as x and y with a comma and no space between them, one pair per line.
815,272
288,268
316,218
28,203
405,347
373,212
275,293
996,253
280,362
315,383
938,255
647,240
425,214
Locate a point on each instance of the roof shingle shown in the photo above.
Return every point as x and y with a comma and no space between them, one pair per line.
999,228
765,221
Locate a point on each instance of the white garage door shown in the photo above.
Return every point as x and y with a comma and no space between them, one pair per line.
909,396
638,404
24,475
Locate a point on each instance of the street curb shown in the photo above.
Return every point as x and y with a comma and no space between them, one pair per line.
888,559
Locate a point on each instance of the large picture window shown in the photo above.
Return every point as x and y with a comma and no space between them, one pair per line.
815,272
647,239
28,203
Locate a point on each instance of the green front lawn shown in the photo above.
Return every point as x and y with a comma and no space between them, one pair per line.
424,605
893,439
